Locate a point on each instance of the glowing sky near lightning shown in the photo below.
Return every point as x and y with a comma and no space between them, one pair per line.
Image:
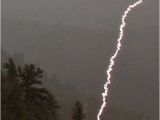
112,59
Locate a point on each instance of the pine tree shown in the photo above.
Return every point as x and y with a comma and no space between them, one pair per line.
40,103
78,113
11,93
23,97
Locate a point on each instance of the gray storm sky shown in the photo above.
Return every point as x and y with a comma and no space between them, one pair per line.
74,39
91,13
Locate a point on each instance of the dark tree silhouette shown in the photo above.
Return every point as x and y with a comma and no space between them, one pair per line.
11,93
78,113
23,97
38,100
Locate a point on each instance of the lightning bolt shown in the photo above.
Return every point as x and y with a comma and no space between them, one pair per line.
112,59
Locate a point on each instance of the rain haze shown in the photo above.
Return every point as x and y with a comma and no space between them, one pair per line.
73,40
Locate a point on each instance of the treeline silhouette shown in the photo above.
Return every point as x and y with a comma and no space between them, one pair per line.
24,97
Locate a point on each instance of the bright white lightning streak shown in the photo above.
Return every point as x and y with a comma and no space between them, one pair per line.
121,34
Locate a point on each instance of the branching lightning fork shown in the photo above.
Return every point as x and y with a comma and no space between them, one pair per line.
112,59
